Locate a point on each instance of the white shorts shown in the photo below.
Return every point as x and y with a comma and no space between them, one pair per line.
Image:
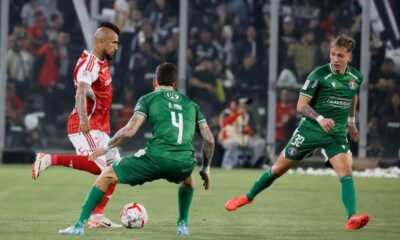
85,143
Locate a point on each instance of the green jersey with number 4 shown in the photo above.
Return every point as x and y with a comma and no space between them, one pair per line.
331,96
173,118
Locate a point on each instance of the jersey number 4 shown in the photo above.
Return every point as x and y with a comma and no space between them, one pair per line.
178,124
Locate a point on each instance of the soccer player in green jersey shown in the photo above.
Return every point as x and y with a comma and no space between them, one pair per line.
328,103
169,154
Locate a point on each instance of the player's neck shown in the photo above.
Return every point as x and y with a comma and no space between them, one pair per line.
158,88
98,54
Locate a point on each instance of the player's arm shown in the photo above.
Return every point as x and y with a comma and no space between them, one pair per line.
83,90
351,121
120,137
303,107
128,131
208,151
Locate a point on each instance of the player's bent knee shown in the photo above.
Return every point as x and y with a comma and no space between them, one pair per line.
188,182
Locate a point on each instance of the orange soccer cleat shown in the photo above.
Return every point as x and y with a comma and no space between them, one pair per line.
236,203
357,222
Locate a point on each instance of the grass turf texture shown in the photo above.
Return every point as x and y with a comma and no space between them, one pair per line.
295,207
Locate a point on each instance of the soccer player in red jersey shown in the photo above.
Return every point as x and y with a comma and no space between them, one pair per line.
88,124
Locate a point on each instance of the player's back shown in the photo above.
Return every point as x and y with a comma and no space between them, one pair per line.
173,118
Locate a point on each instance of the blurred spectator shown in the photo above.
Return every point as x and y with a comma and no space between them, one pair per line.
205,48
303,53
285,118
287,78
18,30
382,82
37,32
14,118
391,124
47,75
19,64
28,11
323,52
241,148
249,77
55,24
157,13
125,113
250,46
122,12
202,87
33,136
287,37
225,47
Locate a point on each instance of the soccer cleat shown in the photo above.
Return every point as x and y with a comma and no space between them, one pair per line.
101,221
357,222
42,162
72,230
236,203
182,229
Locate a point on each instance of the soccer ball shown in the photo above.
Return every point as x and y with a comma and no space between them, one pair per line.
133,215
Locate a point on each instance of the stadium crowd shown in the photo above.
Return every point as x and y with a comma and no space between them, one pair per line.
227,58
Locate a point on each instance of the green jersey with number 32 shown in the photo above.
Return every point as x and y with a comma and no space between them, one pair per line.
331,96
173,118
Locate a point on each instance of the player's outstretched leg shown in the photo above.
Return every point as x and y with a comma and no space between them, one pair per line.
357,222
42,162
185,196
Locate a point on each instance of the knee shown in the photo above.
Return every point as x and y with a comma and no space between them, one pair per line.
188,183
277,171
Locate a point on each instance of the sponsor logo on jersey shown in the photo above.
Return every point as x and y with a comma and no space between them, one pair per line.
107,82
338,102
352,84
173,96
292,151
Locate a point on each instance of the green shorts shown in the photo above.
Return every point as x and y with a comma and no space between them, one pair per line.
138,169
305,142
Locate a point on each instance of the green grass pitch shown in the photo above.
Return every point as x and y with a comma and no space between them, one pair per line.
295,207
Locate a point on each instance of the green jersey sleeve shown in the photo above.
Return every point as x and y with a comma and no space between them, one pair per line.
141,107
199,115
310,86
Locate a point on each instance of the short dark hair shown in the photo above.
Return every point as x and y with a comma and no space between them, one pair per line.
166,74
344,41
110,26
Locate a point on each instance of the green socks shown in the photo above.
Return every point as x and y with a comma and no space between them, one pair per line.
348,195
262,183
185,195
93,198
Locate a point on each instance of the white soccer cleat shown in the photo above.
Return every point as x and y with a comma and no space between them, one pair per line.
72,231
101,221
42,162
183,230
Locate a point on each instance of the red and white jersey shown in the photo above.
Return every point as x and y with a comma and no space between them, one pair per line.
91,70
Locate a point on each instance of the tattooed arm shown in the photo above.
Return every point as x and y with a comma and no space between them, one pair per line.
83,90
208,151
120,137
128,131
303,107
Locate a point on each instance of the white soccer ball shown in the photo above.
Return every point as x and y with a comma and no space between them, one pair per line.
133,215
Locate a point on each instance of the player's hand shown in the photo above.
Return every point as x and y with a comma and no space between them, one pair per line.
327,124
353,132
205,176
98,152
84,126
